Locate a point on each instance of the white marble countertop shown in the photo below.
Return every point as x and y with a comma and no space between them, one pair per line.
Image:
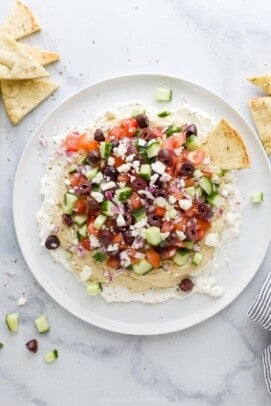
215,44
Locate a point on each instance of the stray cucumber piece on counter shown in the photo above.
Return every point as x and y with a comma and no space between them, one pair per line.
163,94
42,324
196,260
1,345
164,113
94,288
51,356
257,197
12,321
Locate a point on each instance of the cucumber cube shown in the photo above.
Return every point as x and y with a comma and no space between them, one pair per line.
80,219
172,129
42,324
12,321
181,257
257,197
105,149
153,236
92,173
197,258
145,171
99,256
139,214
192,143
164,113
99,221
142,266
94,288
51,356
123,194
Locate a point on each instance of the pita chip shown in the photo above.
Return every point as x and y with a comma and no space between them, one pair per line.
22,96
21,22
15,63
264,82
260,109
41,56
226,147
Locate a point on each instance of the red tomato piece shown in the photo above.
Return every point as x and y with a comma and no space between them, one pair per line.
80,206
72,142
85,243
77,178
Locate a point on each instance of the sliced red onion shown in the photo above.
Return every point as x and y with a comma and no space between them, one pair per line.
54,228
220,211
150,189
108,275
72,248
117,209
138,242
81,252
174,189
75,132
109,194
59,152
118,271
43,141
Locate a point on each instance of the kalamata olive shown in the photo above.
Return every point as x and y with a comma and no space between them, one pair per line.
166,156
32,345
142,120
191,130
154,220
99,135
113,254
110,172
115,143
128,237
132,150
161,192
186,285
94,157
147,134
173,238
187,169
92,205
162,247
105,237
204,211
83,189
67,220
138,184
52,242
191,233
128,219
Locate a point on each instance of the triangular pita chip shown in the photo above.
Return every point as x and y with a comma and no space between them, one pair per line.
21,22
226,147
260,109
22,96
41,56
264,82
15,63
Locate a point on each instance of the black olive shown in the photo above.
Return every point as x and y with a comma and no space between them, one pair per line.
138,184
186,285
128,237
99,135
110,172
162,247
94,157
173,238
204,211
67,220
191,233
161,192
166,156
187,169
191,130
142,120
92,205
105,237
147,134
52,242
128,219
115,143
154,220
83,189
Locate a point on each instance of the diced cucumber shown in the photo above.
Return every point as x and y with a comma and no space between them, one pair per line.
107,208
181,257
92,173
145,171
67,210
197,258
42,324
83,160
99,221
99,256
189,244
206,185
139,214
257,197
123,194
12,321
51,356
105,149
164,113
70,199
1,345
192,143
163,94
72,169
153,149
219,172
197,173
191,190
82,232
142,266
172,129
80,219
214,199
153,236
199,192
94,288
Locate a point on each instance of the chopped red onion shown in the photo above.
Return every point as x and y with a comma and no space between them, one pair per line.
81,252
174,189
220,211
72,248
117,209
139,255
75,132
108,275
109,194
54,228
118,271
138,242
44,141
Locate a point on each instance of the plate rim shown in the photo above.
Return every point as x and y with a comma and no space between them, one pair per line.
113,326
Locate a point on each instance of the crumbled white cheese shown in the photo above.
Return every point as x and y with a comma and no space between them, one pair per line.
86,273
137,229
172,199
160,201
121,184
172,212
94,242
112,247
132,178
232,218
22,301
97,196
181,235
136,165
141,142
185,204
212,240
124,167
165,177
111,161
67,182
153,178
130,158
158,167
98,178
165,235
108,185
120,150
120,220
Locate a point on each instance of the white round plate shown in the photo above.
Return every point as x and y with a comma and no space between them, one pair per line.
247,251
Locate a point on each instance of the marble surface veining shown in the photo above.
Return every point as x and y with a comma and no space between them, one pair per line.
216,44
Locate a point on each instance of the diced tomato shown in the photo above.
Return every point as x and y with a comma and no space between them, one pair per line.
201,234
113,263
153,257
189,182
190,212
116,132
159,211
166,226
180,226
198,156
117,238
72,142
208,172
86,144
170,170
135,201
77,178
91,229
174,142
118,161
184,155
85,243
80,206
122,177
169,252
204,224
130,126
132,255
178,195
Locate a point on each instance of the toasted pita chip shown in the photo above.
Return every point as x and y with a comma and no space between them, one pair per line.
15,63
21,22
264,82
260,109
226,147
41,56
22,96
